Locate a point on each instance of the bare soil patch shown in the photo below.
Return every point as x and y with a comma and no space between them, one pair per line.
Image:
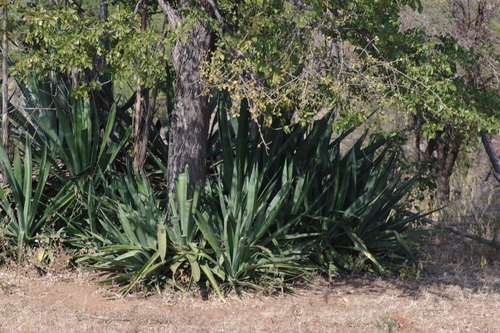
452,294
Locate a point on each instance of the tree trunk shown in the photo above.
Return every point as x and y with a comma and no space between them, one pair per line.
191,114
138,125
106,93
103,97
5,87
143,116
447,147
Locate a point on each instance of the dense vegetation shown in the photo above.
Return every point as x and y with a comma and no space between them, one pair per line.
254,178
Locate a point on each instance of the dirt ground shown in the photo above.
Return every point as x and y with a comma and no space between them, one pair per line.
453,293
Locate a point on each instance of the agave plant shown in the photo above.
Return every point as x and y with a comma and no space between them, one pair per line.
239,228
344,203
79,147
265,213
135,241
243,206
23,203
141,246
351,201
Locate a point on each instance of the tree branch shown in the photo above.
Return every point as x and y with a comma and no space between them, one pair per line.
490,150
219,18
456,230
172,15
136,10
299,4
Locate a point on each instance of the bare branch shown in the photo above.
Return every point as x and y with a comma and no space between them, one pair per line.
299,4
172,15
457,231
495,161
219,18
137,6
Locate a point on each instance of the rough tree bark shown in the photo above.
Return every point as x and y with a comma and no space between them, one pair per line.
5,84
190,118
447,146
143,116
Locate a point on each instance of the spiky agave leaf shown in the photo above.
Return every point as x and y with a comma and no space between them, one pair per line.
25,204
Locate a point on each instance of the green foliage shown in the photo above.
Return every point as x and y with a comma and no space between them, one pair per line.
24,202
386,324
79,148
294,61
345,202
135,239
142,247
238,226
182,211
264,216
64,39
244,205
437,90
350,202
279,201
